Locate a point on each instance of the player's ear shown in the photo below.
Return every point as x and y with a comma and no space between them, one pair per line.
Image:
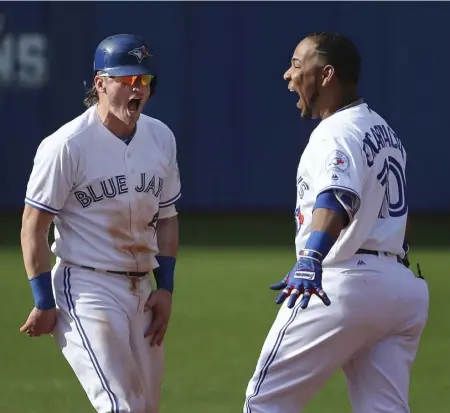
99,83
327,74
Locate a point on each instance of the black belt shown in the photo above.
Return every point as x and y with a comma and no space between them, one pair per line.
127,273
377,253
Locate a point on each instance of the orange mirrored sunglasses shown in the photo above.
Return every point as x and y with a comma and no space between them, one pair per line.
130,80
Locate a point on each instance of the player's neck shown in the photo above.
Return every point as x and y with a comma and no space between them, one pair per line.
114,125
346,98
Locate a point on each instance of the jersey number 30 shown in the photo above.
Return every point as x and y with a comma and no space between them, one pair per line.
392,177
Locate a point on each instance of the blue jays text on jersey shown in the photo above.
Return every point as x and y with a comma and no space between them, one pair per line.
115,186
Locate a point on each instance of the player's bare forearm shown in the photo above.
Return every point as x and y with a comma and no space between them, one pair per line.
328,220
34,240
168,236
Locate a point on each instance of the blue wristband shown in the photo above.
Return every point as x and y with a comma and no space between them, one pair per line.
321,242
41,287
165,273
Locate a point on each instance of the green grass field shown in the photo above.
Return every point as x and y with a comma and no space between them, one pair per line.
222,311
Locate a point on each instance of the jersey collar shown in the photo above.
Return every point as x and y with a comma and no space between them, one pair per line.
351,105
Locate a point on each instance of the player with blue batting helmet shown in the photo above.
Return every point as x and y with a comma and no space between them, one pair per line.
125,57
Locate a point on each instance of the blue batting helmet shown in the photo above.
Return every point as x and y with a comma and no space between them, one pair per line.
123,55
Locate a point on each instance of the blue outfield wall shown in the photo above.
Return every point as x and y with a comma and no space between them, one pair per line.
221,90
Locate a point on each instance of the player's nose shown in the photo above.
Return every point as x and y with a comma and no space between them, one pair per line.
138,87
137,84
287,75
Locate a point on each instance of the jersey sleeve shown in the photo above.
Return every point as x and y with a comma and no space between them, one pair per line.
172,185
51,178
340,166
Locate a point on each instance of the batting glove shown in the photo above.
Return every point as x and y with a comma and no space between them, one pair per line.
305,278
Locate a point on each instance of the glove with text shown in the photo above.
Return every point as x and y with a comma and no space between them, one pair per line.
304,279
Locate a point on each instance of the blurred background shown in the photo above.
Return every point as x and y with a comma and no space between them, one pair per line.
220,68
239,137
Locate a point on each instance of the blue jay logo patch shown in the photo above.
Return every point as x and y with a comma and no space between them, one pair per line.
337,161
140,53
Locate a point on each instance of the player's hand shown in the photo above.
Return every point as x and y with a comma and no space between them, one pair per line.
305,279
160,304
39,322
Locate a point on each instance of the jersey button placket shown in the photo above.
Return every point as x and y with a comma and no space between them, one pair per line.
130,172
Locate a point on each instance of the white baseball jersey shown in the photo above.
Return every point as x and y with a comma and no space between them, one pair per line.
357,151
106,195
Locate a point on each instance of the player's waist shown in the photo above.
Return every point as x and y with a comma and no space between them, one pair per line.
134,274
378,253
126,273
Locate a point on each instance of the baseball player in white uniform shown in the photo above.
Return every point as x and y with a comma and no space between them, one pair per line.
349,302
109,181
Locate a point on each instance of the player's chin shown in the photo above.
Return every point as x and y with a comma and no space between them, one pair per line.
302,106
131,116
306,113
304,110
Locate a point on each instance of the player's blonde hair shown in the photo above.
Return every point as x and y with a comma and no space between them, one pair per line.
91,97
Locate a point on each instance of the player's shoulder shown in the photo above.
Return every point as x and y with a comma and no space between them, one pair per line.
157,132
157,127
68,133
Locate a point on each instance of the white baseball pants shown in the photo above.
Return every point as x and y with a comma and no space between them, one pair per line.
100,330
371,331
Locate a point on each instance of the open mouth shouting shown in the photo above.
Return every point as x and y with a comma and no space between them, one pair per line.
292,89
134,105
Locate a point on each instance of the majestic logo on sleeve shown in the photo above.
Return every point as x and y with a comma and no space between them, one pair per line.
337,161
140,53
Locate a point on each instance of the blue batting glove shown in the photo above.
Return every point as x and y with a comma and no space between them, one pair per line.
305,278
